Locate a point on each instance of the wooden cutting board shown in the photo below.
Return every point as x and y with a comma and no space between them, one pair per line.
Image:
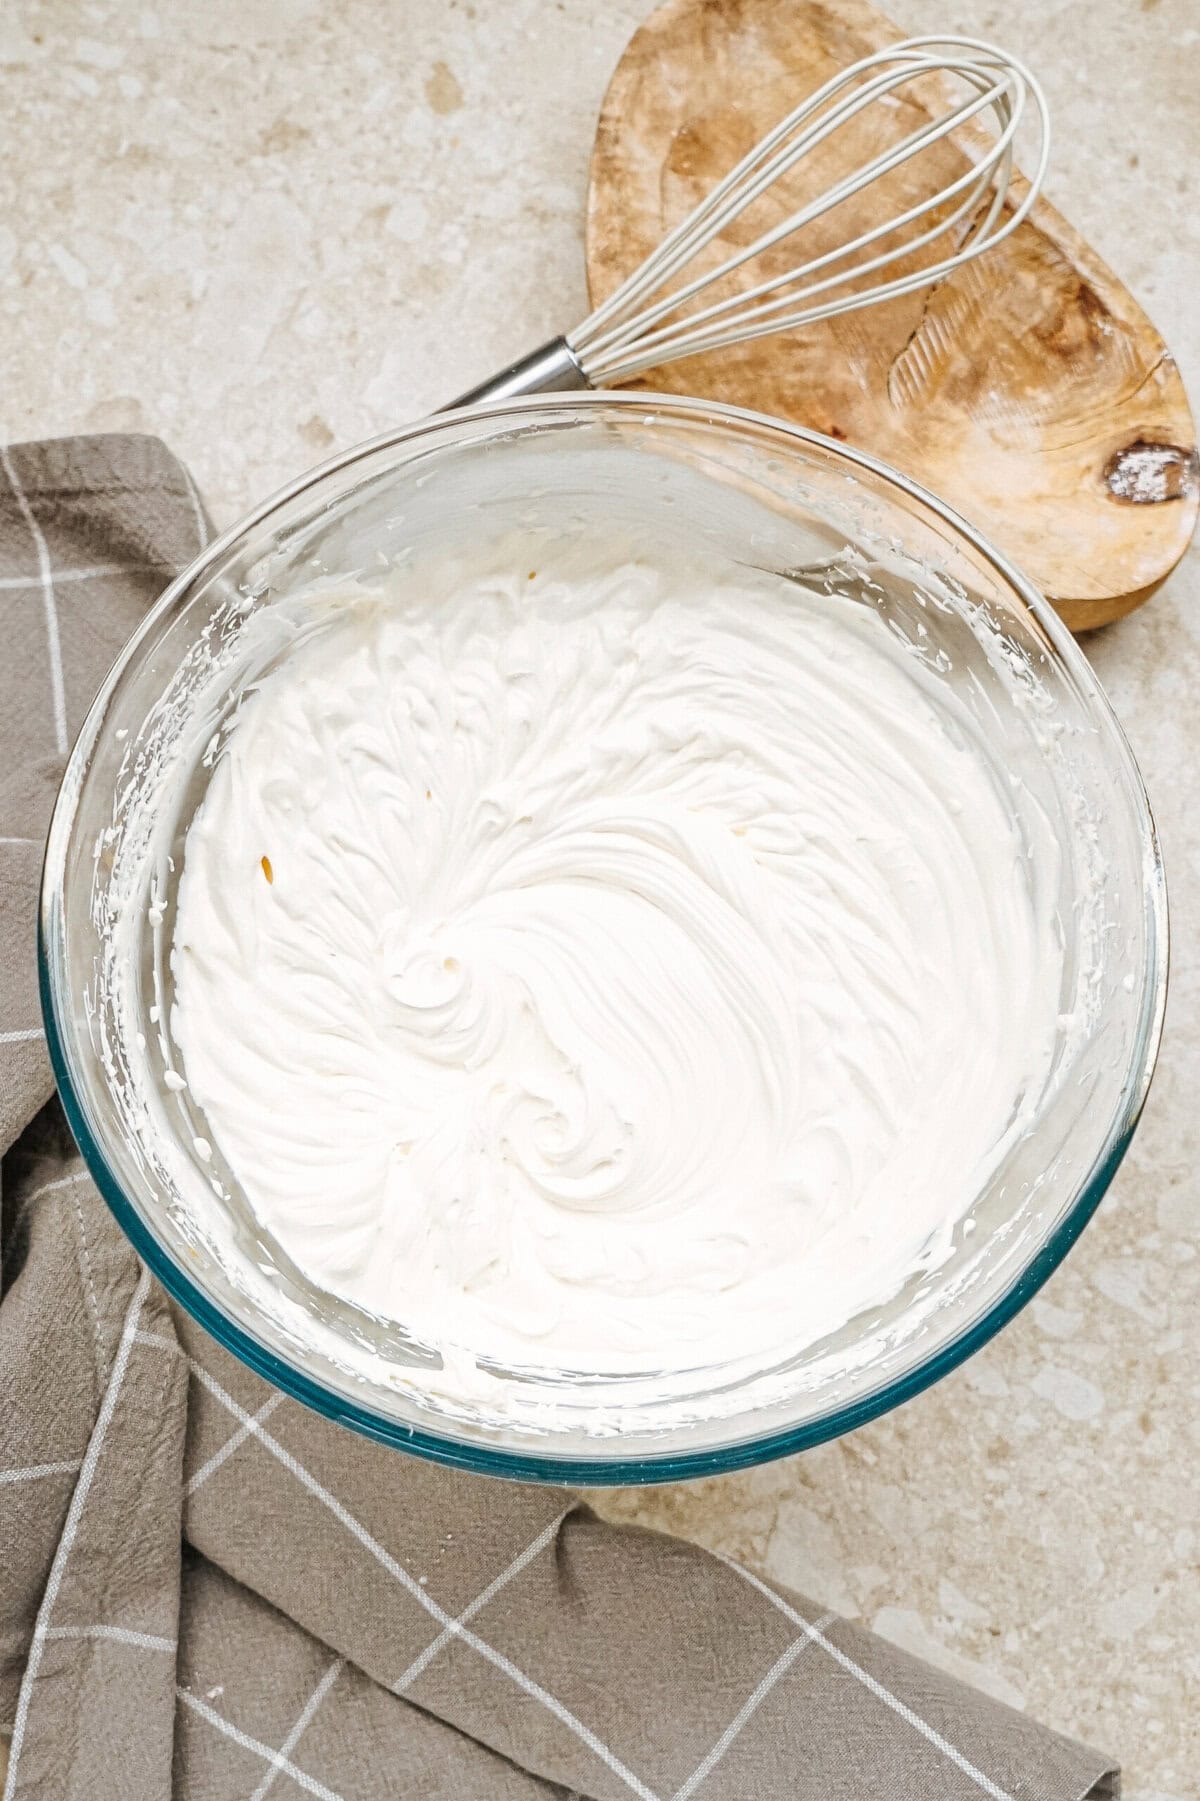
1029,389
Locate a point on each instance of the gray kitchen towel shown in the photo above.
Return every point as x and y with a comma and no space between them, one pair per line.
206,1590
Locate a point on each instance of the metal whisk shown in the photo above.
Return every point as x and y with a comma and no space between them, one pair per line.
646,322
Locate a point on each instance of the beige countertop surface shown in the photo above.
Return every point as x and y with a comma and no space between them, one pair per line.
266,228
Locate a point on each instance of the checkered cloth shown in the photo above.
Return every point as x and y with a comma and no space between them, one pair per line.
206,1591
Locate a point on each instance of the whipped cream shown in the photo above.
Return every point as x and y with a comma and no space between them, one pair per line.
607,965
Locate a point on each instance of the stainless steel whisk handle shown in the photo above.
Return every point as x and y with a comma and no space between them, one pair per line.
552,367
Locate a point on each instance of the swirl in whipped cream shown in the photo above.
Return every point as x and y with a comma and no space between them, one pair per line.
607,966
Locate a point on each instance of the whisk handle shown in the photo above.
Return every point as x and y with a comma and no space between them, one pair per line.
551,367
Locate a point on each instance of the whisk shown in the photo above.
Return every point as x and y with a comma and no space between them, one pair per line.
646,322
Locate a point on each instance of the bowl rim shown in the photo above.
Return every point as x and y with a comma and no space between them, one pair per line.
646,1467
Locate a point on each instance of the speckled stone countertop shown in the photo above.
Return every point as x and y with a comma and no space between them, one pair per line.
265,228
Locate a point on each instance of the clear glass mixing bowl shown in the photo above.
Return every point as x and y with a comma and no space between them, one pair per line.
748,490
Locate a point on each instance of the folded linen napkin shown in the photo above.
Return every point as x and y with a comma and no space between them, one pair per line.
206,1590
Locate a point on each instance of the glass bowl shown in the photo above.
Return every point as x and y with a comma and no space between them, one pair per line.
746,489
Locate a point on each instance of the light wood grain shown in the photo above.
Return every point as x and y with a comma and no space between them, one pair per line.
1029,389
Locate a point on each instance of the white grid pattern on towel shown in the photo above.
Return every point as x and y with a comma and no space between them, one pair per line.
119,1635
811,1633
251,1426
745,1713
230,1446
158,1338
89,1279
875,1687
87,1474
51,1187
285,1764
49,607
34,1472
58,1185
422,1661
303,1719
97,572
454,1627
384,1557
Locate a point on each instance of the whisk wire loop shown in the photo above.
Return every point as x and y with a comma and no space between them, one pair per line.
640,325
884,163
